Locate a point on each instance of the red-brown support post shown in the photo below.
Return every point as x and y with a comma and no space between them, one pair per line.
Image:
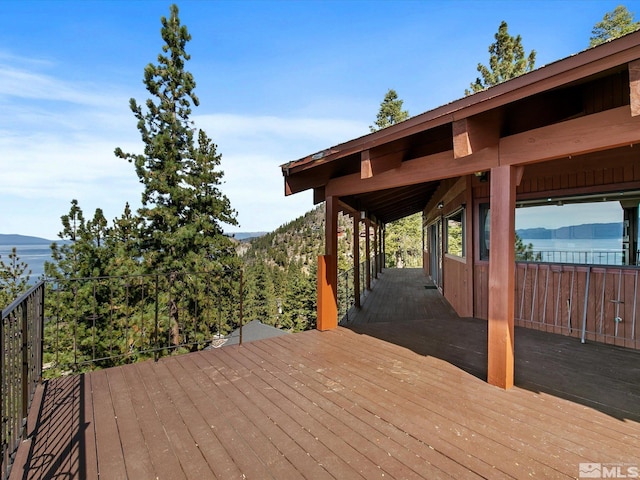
367,250
327,287
380,247
375,251
383,245
500,369
356,259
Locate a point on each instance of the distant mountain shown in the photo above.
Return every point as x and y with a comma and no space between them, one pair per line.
584,231
243,236
13,240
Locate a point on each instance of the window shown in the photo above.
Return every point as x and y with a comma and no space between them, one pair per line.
455,233
485,232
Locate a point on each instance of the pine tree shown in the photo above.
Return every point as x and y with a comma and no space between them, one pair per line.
182,207
403,242
506,61
390,112
614,24
14,278
260,294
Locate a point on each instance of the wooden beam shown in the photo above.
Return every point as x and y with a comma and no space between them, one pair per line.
461,140
476,133
412,172
500,370
371,165
318,195
600,131
327,306
365,165
634,84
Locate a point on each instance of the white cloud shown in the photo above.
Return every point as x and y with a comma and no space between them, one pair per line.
57,139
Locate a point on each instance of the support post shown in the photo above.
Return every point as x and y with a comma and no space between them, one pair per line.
375,251
367,248
383,245
500,370
356,259
327,287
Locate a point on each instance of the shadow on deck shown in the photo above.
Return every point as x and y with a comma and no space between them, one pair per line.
399,393
600,376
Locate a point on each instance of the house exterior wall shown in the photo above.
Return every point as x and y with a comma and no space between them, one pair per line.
596,303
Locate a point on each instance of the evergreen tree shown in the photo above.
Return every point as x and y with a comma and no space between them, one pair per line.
507,60
403,242
260,295
614,24
390,112
182,207
299,306
14,278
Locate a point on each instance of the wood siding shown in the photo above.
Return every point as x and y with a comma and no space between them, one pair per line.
455,291
617,170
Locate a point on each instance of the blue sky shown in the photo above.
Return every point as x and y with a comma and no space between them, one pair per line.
277,80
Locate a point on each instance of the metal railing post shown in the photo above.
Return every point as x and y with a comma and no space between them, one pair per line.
241,319
25,368
156,349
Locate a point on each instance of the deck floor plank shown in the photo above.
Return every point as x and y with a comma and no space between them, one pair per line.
267,455
165,460
500,406
259,410
327,393
183,444
111,463
203,432
377,463
317,434
223,419
441,416
136,455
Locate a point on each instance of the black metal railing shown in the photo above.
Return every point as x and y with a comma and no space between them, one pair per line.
582,257
20,368
346,285
108,321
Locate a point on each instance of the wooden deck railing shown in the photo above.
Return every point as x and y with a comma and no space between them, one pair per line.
20,368
591,302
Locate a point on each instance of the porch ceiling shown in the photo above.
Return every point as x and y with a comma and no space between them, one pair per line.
394,203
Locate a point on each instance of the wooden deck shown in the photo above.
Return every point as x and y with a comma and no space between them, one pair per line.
403,398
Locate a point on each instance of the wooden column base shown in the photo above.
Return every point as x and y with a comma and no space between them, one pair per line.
327,306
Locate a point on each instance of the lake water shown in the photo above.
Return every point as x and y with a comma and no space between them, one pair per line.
599,251
603,251
33,255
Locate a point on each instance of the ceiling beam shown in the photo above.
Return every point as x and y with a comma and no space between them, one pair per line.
600,131
472,134
412,172
371,165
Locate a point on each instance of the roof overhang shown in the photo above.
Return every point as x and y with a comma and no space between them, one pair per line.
461,137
